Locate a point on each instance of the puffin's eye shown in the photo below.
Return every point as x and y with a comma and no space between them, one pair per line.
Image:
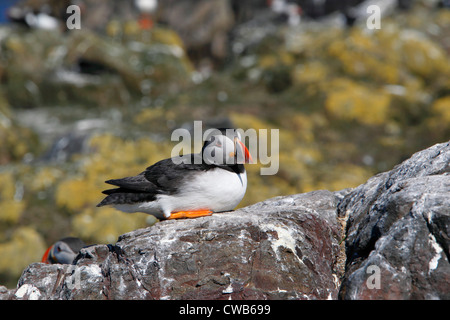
58,248
215,141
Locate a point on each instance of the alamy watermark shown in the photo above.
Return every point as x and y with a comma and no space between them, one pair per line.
374,280
74,20
374,20
261,148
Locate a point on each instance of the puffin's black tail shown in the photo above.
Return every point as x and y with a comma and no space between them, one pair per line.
125,196
130,190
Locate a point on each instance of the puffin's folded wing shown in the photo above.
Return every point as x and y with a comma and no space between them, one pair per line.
136,183
168,175
164,177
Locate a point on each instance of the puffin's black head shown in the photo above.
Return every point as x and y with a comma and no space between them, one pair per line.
224,147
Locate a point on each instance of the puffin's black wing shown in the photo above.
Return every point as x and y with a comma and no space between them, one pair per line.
168,174
136,183
164,177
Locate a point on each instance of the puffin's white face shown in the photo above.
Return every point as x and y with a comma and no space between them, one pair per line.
220,150
62,253
225,150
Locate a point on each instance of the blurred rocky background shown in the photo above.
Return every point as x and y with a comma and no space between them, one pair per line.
80,106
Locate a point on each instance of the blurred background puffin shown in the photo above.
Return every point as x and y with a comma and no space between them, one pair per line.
63,251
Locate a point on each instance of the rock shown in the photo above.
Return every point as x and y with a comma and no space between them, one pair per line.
398,231
5,294
282,248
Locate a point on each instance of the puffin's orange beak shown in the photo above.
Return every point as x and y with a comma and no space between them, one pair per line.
45,256
248,156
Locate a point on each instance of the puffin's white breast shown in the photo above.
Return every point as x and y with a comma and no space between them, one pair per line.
216,190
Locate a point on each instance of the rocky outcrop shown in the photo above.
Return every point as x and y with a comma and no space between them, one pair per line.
397,237
283,248
398,231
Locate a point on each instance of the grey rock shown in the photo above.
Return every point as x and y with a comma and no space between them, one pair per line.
398,231
282,248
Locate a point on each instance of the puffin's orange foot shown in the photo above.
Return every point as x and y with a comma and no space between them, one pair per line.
190,214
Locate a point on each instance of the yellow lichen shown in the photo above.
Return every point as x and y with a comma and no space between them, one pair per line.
441,110
10,208
348,100
343,176
24,247
44,178
104,225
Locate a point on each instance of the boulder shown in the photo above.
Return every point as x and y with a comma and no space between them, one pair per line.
282,248
398,231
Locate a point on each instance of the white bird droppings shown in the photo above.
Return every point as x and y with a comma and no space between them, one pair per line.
432,265
29,290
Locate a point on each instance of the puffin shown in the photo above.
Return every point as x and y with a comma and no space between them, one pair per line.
63,251
187,186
